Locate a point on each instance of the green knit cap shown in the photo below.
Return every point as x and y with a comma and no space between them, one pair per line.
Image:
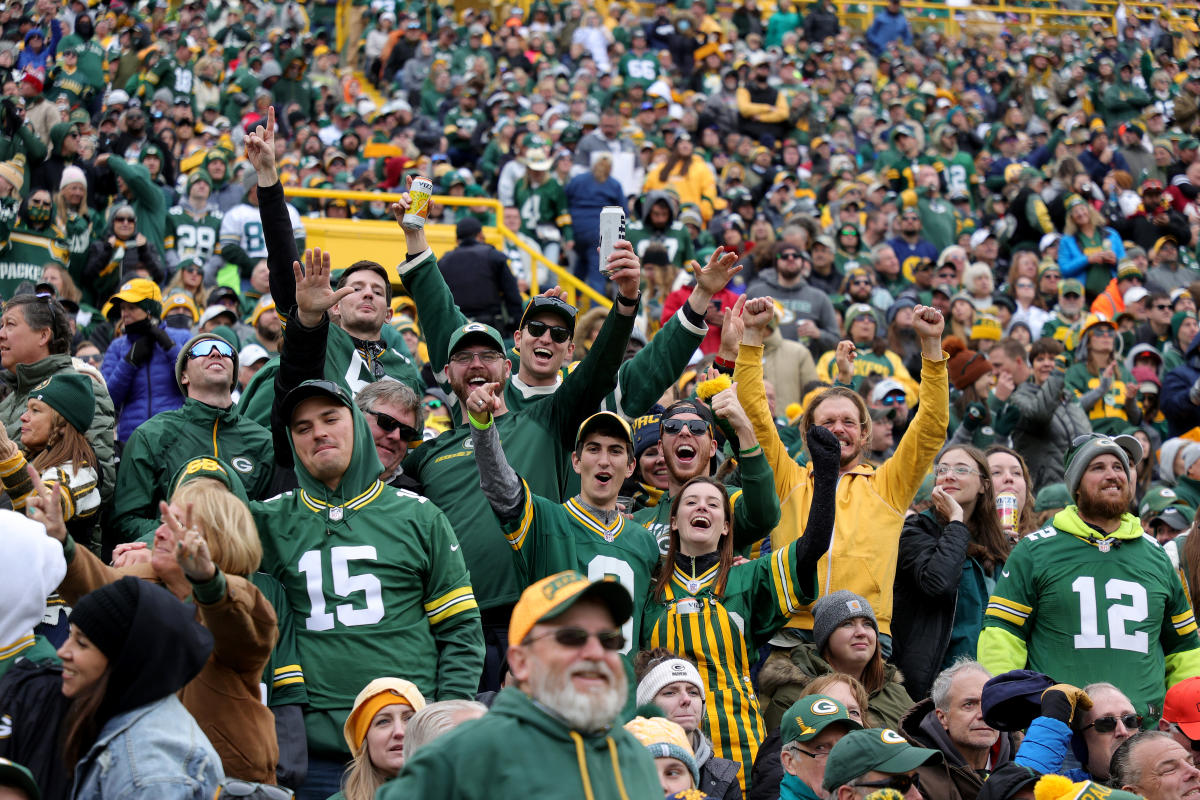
71,395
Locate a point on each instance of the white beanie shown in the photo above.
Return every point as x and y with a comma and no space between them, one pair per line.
70,175
669,671
35,566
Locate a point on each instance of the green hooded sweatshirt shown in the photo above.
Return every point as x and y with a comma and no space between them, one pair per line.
377,576
552,760
163,444
299,90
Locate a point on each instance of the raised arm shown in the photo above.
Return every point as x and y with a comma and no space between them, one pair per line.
276,224
497,479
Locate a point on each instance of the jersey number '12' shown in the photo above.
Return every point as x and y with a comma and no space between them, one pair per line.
1119,615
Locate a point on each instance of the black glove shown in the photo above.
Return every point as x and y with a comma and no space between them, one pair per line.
163,338
826,457
974,417
1062,701
141,351
10,118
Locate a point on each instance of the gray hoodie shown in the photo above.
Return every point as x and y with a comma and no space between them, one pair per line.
799,302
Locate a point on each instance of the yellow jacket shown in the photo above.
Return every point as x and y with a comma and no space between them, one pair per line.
698,186
870,502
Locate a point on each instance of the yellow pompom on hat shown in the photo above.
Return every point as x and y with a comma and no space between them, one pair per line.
1060,787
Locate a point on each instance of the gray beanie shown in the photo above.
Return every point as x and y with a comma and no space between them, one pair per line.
1166,459
1079,457
835,608
181,361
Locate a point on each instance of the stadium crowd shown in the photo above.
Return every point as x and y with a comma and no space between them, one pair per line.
873,476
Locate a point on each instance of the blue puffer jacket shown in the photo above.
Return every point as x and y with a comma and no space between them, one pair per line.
1182,415
141,392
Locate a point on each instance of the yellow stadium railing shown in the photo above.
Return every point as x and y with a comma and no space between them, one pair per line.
350,240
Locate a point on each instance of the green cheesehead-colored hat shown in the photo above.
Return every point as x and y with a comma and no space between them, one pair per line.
71,395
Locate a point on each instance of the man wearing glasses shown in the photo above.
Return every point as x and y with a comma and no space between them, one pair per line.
809,730
1090,596
393,413
208,424
875,758
553,733
808,315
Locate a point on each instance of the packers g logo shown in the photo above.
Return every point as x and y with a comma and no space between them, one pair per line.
824,707
889,736
474,327
41,386
242,464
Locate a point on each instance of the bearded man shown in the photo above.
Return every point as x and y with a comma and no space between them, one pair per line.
553,733
1088,595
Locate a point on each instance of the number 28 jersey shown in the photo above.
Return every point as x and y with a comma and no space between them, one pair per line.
1090,615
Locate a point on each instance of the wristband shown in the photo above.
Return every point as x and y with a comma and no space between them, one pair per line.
625,301
723,363
750,450
477,424
692,316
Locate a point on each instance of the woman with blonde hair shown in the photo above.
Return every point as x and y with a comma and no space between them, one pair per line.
375,732
203,552
73,217
190,278
1089,250
689,176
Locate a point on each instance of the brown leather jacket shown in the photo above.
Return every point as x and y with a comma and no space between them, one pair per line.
224,698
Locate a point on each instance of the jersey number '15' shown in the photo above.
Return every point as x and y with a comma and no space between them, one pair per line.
344,585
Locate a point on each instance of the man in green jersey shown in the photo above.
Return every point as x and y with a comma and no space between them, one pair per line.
689,445
1090,597
194,225
539,437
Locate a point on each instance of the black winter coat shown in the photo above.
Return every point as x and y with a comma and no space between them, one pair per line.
32,707
928,571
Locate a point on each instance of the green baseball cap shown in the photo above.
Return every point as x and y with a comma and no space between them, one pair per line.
1070,286
475,331
1159,499
810,715
1053,495
19,777
872,749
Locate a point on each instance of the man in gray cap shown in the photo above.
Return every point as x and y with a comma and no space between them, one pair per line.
1089,595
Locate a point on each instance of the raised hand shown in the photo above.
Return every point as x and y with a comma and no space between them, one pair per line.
415,237
725,406
625,269
756,316
314,295
928,322
260,151
718,272
191,551
43,506
824,450
732,329
844,356
484,401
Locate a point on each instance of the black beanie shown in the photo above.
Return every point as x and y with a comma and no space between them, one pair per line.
106,615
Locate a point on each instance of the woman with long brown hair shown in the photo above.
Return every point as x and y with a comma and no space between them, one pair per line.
689,176
949,560
706,608
1010,473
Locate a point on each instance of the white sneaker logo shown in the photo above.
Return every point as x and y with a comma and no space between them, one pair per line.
453,547
1004,573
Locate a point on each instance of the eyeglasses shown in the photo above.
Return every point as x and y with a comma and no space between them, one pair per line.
1108,724
1162,306
901,783
894,399
389,424
861,282
821,753
558,333
675,426
432,403
576,638
210,346
486,356
788,256
960,470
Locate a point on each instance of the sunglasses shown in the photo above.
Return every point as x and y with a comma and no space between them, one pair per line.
788,256
1162,306
1109,724
389,424
901,783
193,268
675,426
210,346
893,399
576,638
124,219
433,404
234,787
558,333
861,282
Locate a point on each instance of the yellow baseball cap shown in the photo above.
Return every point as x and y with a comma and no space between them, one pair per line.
554,594
133,292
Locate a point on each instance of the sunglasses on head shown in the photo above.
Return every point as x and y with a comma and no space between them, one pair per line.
901,783
558,333
675,426
1108,724
576,638
210,346
388,424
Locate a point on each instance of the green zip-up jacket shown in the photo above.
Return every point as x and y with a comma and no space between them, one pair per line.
377,583
161,445
551,760
100,435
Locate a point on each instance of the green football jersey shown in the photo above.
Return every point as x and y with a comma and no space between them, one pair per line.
283,678
676,240
1094,610
544,214
548,538
191,235
959,172
638,70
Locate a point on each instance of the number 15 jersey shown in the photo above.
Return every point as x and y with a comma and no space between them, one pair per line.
1082,610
